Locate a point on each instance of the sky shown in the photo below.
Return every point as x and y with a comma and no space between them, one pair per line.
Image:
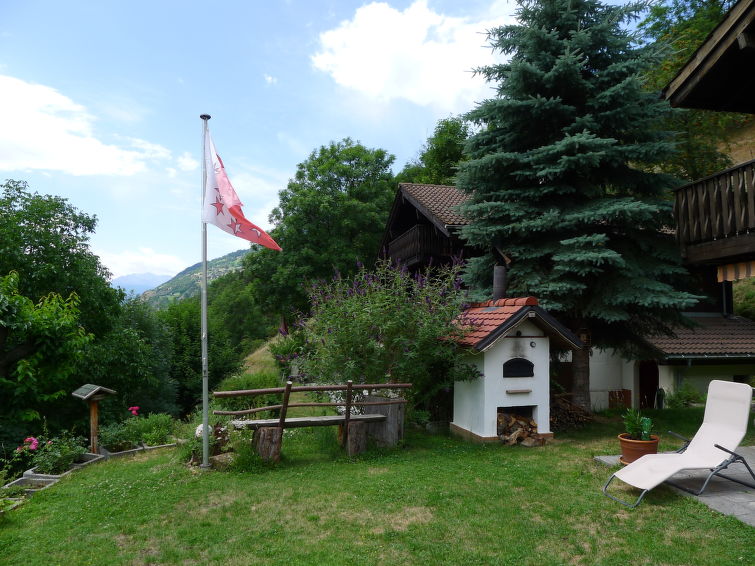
102,101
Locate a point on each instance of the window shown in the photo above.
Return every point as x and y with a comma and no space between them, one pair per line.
518,367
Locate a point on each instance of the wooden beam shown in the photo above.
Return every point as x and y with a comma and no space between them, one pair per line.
746,41
725,250
299,422
710,53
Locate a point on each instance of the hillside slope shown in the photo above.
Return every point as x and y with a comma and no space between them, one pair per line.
186,283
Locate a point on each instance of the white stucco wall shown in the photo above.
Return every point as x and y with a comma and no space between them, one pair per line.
608,372
476,402
699,376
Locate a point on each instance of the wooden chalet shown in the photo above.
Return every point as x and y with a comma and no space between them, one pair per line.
715,216
423,226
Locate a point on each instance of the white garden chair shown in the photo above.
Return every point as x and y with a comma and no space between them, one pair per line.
724,425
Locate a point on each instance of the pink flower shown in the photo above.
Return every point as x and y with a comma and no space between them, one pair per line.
134,411
32,442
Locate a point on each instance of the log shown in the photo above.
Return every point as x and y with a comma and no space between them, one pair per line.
566,415
356,439
267,441
517,429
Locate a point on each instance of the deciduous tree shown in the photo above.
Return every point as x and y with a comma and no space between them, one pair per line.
40,343
440,156
331,214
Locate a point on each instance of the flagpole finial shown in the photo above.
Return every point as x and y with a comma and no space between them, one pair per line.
205,117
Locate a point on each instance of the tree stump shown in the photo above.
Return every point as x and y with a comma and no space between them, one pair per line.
267,441
390,431
356,440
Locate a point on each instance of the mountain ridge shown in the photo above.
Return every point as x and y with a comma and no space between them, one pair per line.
186,283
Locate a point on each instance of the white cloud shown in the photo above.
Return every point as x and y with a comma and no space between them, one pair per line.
50,132
186,162
271,80
144,260
417,54
258,190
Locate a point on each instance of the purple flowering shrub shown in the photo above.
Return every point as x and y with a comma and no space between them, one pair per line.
385,325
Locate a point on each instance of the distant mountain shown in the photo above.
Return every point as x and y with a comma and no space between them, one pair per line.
137,283
186,283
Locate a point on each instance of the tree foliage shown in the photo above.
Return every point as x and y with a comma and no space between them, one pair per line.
440,156
384,326
134,358
331,214
39,347
560,177
46,240
677,28
183,321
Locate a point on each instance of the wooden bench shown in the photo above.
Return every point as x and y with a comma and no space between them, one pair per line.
385,425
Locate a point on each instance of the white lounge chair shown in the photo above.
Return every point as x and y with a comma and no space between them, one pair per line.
724,425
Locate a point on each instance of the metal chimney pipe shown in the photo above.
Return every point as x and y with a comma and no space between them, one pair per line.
500,281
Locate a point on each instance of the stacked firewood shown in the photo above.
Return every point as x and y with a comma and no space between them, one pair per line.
565,415
516,429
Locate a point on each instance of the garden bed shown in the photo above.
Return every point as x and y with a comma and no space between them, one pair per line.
104,453
81,462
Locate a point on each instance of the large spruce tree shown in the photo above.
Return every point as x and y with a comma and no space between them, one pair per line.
561,182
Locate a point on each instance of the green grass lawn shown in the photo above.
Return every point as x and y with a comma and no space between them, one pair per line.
434,500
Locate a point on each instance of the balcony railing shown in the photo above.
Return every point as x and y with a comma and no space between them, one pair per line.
419,243
717,207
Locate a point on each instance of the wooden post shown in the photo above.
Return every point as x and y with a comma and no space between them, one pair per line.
284,405
93,424
347,414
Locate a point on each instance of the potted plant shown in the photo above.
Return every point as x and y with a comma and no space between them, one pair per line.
637,440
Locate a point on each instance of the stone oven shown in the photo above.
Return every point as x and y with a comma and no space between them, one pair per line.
509,343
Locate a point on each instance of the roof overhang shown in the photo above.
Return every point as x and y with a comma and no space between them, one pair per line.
557,332
720,75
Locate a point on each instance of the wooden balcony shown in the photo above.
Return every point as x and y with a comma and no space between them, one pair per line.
418,244
715,217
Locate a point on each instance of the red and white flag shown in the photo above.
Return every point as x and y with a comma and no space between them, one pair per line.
222,206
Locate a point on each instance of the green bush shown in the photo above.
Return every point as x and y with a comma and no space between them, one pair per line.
257,380
153,430
684,396
56,455
116,437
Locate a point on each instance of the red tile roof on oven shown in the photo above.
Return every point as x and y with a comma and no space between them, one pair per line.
713,336
440,201
490,319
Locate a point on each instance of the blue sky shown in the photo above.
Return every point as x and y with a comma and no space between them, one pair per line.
101,101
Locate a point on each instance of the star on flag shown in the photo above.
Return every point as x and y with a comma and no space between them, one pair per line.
222,206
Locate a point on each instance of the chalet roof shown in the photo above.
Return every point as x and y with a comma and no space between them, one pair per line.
713,336
719,75
437,202
493,319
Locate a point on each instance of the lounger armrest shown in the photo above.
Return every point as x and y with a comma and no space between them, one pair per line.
725,450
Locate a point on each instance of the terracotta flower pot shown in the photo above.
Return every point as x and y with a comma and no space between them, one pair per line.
633,449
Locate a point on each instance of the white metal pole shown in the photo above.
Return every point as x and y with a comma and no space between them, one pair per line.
205,371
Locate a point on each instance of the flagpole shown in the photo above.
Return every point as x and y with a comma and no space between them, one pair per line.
203,286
